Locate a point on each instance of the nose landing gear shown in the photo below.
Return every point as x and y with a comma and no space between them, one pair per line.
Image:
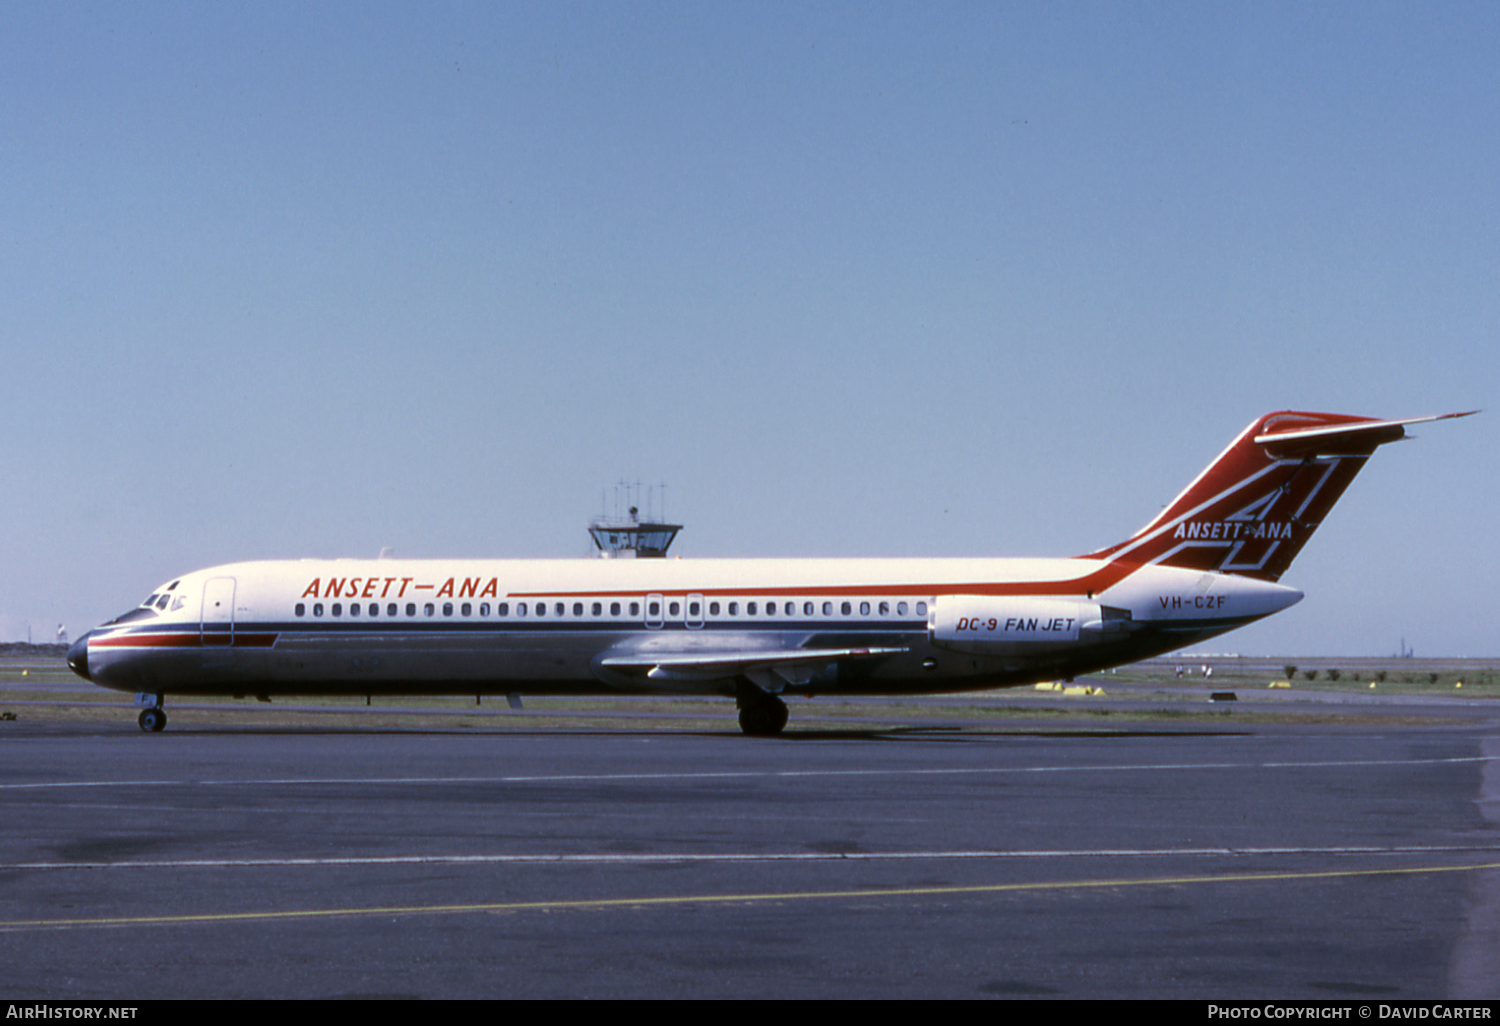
153,718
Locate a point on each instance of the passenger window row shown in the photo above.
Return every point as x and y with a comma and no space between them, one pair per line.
772,607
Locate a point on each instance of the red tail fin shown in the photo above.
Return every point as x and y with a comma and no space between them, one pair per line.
1254,508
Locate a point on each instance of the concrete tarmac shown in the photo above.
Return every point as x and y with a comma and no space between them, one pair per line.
1280,862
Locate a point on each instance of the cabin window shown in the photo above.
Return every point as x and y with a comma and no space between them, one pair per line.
597,609
614,609
466,609
827,608
921,608
846,609
900,608
484,609
338,609
390,610
713,609
317,609
750,608
734,609
520,609
885,609
653,609
301,609
577,608
864,609
674,608
428,609
693,608
807,609
354,609
558,609
411,609
635,609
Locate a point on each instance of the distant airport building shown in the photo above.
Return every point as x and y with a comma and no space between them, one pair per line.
627,536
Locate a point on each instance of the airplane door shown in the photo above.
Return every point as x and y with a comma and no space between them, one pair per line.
218,612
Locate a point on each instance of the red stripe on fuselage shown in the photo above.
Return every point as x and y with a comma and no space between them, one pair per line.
181,639
1093,583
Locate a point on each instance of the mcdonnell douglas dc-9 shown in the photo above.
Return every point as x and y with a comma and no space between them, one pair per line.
750,629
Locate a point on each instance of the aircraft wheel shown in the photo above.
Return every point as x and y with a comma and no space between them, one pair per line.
153,720
764,718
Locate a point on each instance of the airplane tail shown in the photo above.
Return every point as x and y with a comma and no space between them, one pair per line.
1254,508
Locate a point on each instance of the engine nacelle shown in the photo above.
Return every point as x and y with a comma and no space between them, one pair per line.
1022,624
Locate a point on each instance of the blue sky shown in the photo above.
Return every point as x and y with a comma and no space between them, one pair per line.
284,280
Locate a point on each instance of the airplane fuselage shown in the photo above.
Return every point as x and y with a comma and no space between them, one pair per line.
599,627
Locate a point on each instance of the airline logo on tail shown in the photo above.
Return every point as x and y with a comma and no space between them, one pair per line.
1254,508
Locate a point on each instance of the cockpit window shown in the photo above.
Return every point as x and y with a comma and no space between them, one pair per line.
150,602
139,613
161,603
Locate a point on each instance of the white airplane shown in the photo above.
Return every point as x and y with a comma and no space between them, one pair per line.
753,629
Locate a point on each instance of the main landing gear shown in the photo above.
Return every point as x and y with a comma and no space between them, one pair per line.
761,714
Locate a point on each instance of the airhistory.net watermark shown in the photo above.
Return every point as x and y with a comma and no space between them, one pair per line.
46,1011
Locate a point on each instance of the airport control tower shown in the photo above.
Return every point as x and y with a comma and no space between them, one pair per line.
624,535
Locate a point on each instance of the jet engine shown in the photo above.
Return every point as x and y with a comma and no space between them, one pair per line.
1021,624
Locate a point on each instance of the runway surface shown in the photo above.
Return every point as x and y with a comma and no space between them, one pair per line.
1225,862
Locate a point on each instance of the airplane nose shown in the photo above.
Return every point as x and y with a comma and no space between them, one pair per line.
78,657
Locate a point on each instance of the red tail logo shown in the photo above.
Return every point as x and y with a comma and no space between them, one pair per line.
1254,508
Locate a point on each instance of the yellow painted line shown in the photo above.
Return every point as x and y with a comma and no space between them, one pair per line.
706,899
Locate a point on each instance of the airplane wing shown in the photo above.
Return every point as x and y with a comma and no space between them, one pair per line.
718,665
